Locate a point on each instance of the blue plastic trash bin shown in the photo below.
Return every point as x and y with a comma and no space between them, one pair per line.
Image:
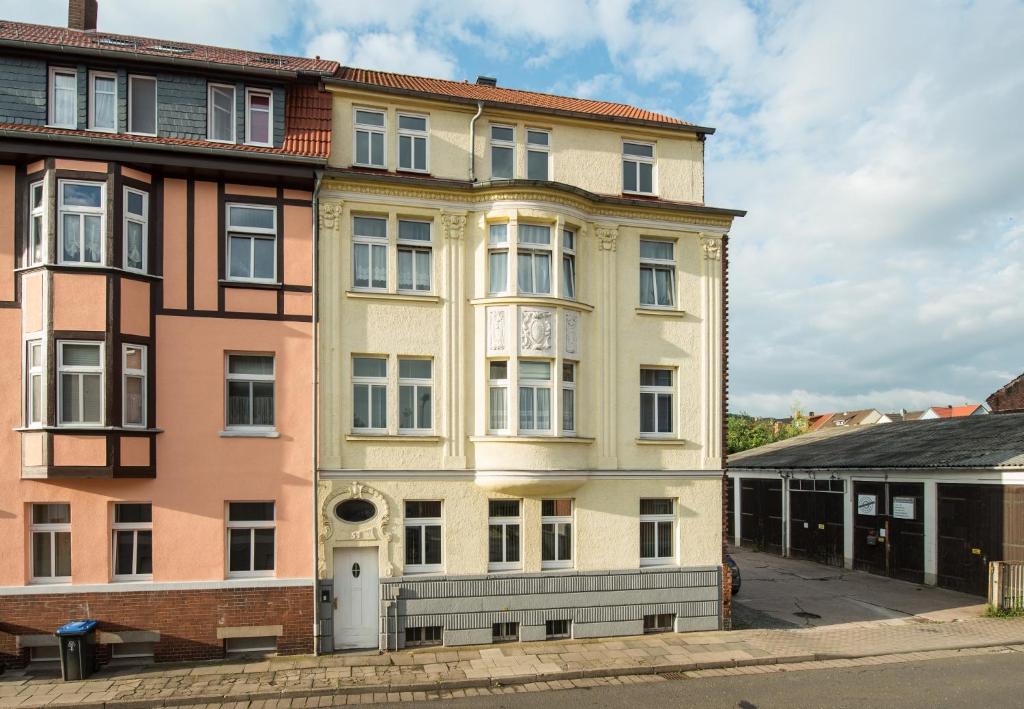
77,649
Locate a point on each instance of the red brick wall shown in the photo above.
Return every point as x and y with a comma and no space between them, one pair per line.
1008,399
187,620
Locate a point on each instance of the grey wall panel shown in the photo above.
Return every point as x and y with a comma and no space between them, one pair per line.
23,85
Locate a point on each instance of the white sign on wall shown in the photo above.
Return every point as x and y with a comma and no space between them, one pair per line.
903,507
867,504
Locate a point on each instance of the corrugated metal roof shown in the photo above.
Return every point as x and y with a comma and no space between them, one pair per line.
967,442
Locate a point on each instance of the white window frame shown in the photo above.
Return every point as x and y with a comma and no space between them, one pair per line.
544,148
370,383
568,256
252,526
253,234
499,143
636,160
36,237
249,378
156,103
370,242
210,88
415,246
142,221
32,372
52,530
505,522
52,97
659,391
556,521
249,93
655,519
534,251
499,247
502,384
423,522
413,136
82,212
93,75
127,373
63,369
655,265
536,385
369,129
567,386
416,383
134,528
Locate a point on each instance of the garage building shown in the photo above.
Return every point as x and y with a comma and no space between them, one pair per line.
925,501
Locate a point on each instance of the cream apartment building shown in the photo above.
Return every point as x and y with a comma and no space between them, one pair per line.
521,368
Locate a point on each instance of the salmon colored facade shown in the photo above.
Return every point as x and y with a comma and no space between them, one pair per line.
156,315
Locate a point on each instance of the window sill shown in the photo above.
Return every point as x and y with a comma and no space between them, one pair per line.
530,439
532,300
660,442
148,578
266,285
249,575
89,429
661,312
666,563
242,433
422,572
387,296
392,438
364,166
553,567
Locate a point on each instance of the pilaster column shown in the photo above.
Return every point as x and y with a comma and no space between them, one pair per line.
931,532
607,240
327,378
711,351
453,226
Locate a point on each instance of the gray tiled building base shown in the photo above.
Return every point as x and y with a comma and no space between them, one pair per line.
596,604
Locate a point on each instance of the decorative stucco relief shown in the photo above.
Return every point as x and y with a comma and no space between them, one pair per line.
572,333
454,225
330,214
712,247
535,331
377,528
607,236
497,331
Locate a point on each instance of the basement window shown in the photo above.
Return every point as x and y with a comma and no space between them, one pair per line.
137,652
422,637
505,632
557,629
659,623
240,647
44,655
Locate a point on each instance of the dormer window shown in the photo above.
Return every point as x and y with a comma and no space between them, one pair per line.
638,168
259,108
221,100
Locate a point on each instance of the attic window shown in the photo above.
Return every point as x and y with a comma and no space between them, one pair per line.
171,48
269,60
114,42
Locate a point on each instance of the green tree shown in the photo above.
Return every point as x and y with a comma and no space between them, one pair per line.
745,432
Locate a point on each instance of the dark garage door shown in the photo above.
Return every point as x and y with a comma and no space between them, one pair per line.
888,529
816,520
761,514
978,524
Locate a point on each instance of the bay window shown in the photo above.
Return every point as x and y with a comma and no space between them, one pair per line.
82,210
369,137
569,398
497,395
533,259
534,396
34,383
497,259
369,253
569,264
80,383
136,229
134,385
36,225
370,394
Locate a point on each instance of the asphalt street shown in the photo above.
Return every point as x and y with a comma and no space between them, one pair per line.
992,680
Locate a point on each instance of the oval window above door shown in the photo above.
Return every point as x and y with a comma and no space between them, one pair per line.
355,570
355,510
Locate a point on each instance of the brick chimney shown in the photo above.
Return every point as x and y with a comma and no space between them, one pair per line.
82,15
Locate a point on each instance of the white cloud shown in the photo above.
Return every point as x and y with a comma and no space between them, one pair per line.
383,50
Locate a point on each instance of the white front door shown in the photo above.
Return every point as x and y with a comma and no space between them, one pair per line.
355,587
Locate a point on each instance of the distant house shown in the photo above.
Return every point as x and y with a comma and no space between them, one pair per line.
901,415
954,412
862,417
1009,399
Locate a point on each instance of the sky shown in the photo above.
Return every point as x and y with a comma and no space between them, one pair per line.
877,147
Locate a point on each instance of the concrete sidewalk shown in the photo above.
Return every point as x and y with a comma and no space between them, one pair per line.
415,675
